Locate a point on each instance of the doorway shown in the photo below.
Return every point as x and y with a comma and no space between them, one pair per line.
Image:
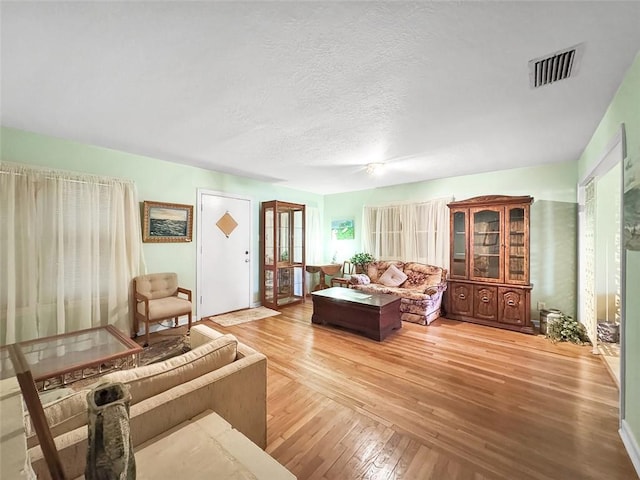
600,299
224,253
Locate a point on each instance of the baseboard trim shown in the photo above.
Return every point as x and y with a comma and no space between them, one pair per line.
630,444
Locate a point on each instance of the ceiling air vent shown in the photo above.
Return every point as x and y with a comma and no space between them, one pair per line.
555,67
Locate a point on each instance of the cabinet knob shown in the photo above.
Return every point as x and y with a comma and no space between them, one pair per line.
511,303
462,296
485,299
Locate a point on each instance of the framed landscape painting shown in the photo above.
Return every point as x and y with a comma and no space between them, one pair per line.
167,222
342,229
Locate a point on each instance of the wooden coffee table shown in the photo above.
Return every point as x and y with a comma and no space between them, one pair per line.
373,314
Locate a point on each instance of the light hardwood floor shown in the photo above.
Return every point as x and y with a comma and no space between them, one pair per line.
450,401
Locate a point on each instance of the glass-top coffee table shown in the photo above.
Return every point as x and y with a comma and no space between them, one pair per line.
62,359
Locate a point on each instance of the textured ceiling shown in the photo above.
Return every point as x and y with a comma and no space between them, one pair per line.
306,94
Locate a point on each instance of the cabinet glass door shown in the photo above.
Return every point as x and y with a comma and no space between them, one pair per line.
517,261
298,236
459,245
269,240
283,240
486,245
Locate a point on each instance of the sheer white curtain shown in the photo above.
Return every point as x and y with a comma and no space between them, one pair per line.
69,246
411,232
313,243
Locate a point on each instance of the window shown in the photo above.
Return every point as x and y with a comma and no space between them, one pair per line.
415,232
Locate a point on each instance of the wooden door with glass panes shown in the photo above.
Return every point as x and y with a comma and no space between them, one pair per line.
459,237
517,244
486,252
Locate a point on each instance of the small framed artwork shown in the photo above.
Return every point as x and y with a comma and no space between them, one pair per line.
342,229
166,222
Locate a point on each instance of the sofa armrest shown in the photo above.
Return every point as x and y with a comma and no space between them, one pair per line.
201,334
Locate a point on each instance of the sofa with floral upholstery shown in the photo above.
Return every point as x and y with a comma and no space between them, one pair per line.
419,286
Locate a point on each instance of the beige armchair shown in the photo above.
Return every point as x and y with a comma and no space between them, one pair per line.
157,299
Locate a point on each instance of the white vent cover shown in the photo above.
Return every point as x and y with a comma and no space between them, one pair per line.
555,67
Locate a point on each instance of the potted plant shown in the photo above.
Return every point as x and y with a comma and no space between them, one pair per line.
565,329
361,260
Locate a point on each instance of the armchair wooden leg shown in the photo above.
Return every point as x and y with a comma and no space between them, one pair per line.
146,333
189,327
175,322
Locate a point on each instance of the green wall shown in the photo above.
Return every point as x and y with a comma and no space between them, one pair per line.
553,220
625,109
156,180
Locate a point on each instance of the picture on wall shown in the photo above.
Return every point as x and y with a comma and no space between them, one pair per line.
342,229
166,222
632,201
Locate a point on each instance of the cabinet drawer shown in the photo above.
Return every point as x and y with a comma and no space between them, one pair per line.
460,297
485,304
513,305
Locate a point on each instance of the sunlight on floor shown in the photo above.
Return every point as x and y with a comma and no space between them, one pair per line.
611,356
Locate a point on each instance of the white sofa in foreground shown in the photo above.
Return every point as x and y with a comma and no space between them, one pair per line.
209,400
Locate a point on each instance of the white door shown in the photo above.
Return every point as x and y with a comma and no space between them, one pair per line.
224,266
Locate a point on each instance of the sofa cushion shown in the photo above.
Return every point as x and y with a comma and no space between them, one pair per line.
376,269
63,415
148,381
421,276
392,277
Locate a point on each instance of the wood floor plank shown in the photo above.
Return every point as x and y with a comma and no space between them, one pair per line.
452,400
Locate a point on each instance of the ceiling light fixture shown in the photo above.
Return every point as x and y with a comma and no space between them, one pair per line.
375,168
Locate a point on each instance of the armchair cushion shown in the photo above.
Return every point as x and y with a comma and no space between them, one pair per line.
161,308
157,285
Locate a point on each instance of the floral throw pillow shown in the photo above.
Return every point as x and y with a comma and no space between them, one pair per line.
416,279
359,279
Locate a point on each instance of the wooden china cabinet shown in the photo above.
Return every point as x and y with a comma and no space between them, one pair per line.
489,271
282,254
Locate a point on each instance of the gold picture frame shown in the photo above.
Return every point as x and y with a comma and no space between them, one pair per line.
166,222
